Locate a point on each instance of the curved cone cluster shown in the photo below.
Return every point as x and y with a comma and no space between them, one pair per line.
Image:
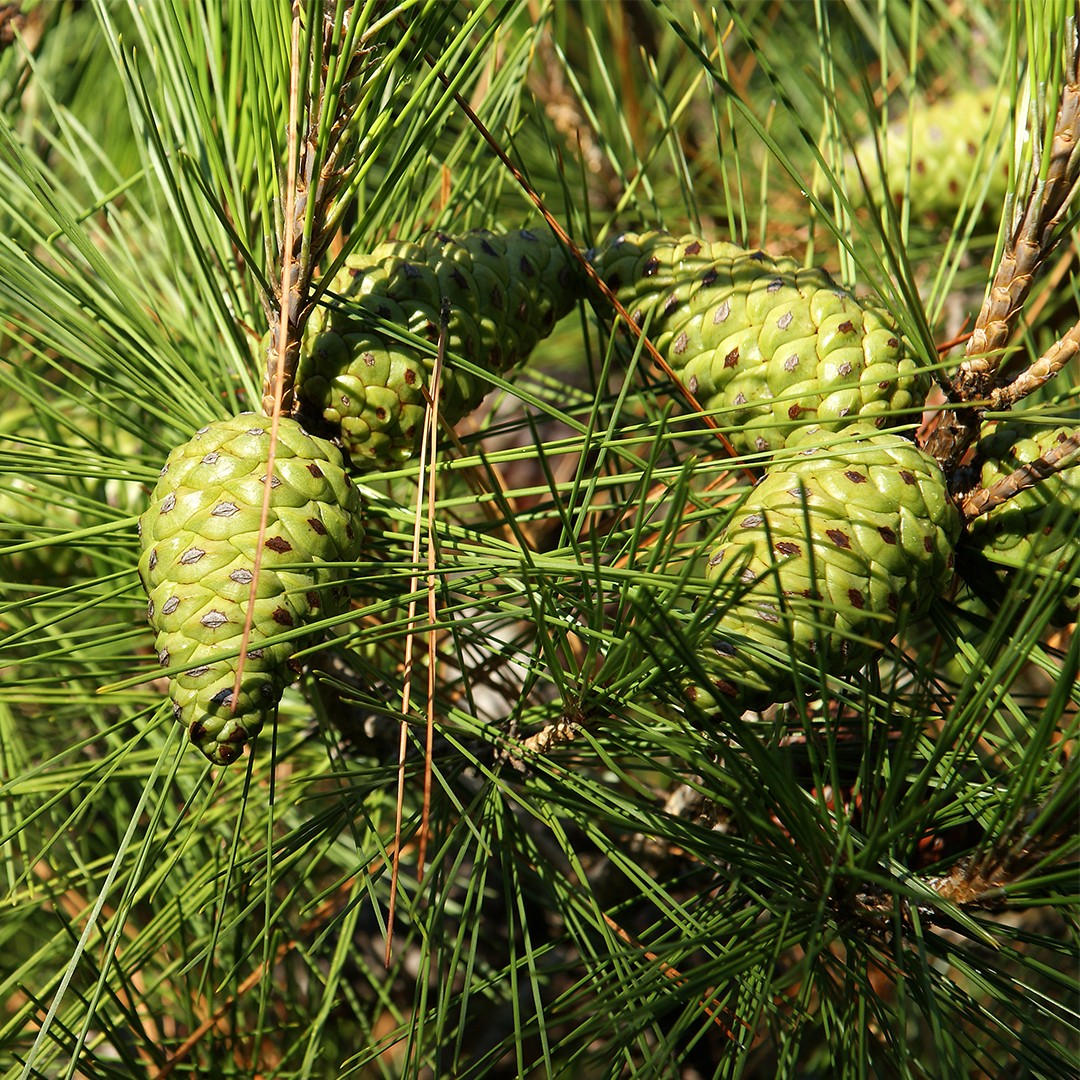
199,537
832,548
1036,532
948,141
506,292
766,344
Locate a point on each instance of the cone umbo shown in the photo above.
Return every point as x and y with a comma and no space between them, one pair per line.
506,292
770,346
198,539
833,548
1034,534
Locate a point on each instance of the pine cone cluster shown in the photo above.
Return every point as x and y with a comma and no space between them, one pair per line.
765,345
506,292
199,537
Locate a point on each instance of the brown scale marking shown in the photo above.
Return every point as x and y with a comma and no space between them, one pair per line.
717,559
920,167
693,248
278,544
732,358
526,266
652,264
839,538
692,385
197,731
317,526
954,187
313,598
638,317
349,531
856,599
671,304
846,327
794,412
894,602
759,256
751,521
884,384
345,401
886,534
431,332
458,278
369,359
856,477
222,697
791,363
314,469
282,616
785,320
710,276
496,298
789,547
893,343
238,736
380,413
722,312
844,368
907,477
739,399
410,377
928,545
487,249
680,343
411,271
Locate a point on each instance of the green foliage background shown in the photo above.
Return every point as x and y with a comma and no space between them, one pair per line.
664,895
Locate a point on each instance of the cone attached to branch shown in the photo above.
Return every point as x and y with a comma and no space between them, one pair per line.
767,345
506,292
830,553
1036,533
199,537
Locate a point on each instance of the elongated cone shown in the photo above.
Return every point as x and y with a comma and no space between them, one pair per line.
1037,532
948,141
832,549
199,537
506,292
767,345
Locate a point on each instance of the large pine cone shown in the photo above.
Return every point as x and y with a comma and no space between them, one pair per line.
1037,532
198,548
767,344
506,293
833,548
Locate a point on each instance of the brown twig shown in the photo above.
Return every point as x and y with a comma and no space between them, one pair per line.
317,176
1040,372
1062,456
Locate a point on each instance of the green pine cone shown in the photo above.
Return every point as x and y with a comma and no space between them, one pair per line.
1038,529
506,293
946,140
766,344
830,551
198,538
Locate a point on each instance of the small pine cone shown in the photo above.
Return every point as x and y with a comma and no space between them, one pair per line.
1035,533
506,292
198,538
768,345
946,139
833,548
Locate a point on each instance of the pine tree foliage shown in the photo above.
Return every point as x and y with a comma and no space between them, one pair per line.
591,874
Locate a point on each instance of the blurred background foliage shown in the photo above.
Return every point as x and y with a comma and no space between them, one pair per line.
881,883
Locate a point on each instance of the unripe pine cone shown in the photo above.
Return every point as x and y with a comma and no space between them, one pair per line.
198,539
506,292
946,141
833,548
1035,533
765,344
